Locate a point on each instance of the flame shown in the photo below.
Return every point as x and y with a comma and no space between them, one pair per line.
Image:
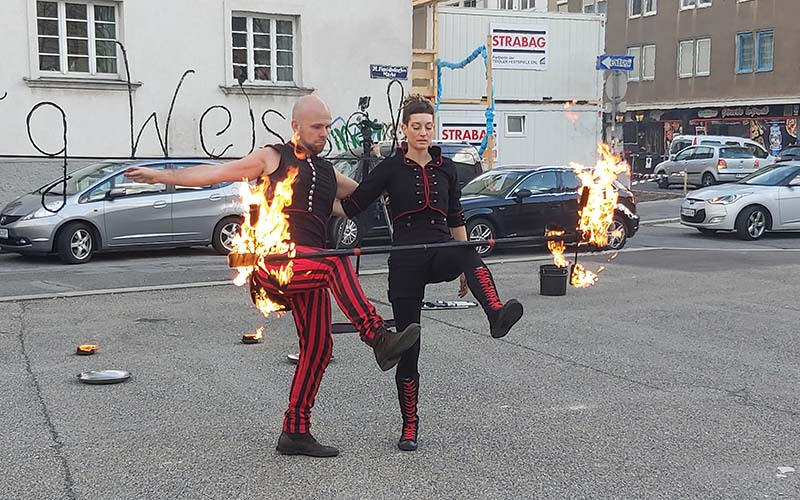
298,151
571,115
88,347
596,217
265,231
557,248
256,336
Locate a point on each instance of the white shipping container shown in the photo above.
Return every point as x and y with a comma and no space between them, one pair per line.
537,116
573,43
528,134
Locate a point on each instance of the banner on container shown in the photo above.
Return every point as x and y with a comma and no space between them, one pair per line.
519,46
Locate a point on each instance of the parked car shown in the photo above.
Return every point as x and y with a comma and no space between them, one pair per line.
527,200
371,224
681,142
768,200
790,153
104,210
708,165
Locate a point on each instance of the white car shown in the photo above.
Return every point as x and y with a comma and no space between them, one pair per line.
767,200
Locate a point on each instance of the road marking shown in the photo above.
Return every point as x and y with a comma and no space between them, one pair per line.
371,272
656,222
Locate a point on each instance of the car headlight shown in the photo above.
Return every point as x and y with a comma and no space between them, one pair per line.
726,199
41,213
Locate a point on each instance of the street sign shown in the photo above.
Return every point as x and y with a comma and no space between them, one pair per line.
620,63
388,72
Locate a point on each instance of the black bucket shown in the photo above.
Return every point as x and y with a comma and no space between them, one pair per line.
553,280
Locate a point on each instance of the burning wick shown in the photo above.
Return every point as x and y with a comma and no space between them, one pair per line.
253,338
87,349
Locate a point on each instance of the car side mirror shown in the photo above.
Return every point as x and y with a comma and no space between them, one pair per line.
522,194
116,193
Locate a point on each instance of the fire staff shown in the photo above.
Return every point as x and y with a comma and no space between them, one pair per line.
424,197
315,188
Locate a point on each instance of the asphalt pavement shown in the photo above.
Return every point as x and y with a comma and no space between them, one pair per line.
675,376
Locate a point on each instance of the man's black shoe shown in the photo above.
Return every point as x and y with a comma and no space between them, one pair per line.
506,317
389,347
303,444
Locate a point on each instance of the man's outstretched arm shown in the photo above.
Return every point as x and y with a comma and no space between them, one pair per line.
261,162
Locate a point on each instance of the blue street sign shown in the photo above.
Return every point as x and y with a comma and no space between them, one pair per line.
378,71
615,63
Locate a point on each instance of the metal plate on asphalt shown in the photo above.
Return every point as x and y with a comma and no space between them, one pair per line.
104,377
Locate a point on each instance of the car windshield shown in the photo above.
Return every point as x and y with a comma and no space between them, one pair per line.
770,176
492,184
80,179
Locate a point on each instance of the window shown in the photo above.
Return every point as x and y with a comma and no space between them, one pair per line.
704,3
570,180
686,154
648,62
649,7
756,151
765,41
744,53
595,6
636,52
635,8
540,183
703,62
703,154
77,38
263,49
515,125
687,4
508,4
755,51
686,59
601,6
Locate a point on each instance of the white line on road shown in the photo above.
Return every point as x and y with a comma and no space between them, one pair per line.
371,272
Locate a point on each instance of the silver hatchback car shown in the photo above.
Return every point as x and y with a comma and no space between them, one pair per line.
709,165
104,210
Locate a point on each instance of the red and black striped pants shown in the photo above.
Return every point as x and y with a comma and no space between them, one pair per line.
310,302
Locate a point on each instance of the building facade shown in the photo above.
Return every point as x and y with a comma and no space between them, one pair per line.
185,59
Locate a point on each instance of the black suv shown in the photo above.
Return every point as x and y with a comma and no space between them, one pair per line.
371,224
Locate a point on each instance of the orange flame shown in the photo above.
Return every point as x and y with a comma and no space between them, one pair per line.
265,231
88,347
557,248
298,152
256,336
596,217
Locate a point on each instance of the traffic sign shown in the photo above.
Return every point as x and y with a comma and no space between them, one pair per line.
619,63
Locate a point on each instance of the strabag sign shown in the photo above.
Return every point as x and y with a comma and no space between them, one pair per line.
519,46
472,133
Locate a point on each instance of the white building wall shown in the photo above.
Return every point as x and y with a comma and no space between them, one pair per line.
336,43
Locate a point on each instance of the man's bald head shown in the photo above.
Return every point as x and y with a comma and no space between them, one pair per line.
311,121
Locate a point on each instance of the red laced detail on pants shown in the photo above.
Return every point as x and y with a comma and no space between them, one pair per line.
489,290
409,410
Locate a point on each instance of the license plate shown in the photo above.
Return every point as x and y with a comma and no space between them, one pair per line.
3,234
688,212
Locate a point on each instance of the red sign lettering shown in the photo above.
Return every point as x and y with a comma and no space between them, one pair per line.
519,41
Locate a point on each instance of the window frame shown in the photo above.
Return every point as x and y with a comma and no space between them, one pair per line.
757,50
273,36
644,60
739,52
91,40
687,5
523,133
697,56
680,59
652,11
631,15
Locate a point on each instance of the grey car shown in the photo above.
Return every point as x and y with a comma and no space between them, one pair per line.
706,165
104,210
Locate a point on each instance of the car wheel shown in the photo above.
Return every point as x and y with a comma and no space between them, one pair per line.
708,179
346,232
481,229
706,231
663,180
617,234
751,223
75,243
224,233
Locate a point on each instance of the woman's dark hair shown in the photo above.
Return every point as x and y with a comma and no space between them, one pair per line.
416,104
